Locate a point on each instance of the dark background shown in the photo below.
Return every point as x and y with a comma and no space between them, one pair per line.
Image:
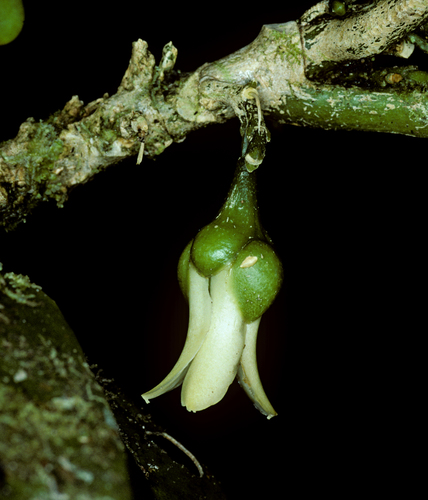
343,208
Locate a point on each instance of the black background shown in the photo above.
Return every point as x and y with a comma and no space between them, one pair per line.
343,208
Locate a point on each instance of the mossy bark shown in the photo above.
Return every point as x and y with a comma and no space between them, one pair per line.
59,436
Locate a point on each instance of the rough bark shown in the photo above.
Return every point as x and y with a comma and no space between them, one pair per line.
363,32
294,68
59,436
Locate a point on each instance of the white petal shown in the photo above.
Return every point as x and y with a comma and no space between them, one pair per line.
214,367
199,323
248,373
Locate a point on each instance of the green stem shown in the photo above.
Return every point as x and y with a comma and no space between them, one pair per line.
241,203
337,108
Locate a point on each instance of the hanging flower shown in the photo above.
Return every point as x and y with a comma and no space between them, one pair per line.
230,275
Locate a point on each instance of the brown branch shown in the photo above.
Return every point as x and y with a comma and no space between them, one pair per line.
155,106
49,158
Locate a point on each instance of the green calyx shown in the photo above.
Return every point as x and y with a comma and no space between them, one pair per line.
256,276
218,243
235,240
183,270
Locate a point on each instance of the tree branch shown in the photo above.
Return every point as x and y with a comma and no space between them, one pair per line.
293,66
363,32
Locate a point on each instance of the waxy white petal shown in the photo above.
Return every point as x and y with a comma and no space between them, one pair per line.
199,323
248,373
216,363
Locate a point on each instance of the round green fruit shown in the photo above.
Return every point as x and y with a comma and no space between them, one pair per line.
11,20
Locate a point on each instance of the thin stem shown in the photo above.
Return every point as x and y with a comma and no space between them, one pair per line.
182,448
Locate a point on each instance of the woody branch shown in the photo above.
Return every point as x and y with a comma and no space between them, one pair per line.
155,106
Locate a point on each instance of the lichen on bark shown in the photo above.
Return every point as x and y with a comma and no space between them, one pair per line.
319,71
62,429
58,434
364,31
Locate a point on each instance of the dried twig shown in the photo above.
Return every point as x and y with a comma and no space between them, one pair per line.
182,448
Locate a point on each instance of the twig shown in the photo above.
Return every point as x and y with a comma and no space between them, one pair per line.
182,448
140,153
